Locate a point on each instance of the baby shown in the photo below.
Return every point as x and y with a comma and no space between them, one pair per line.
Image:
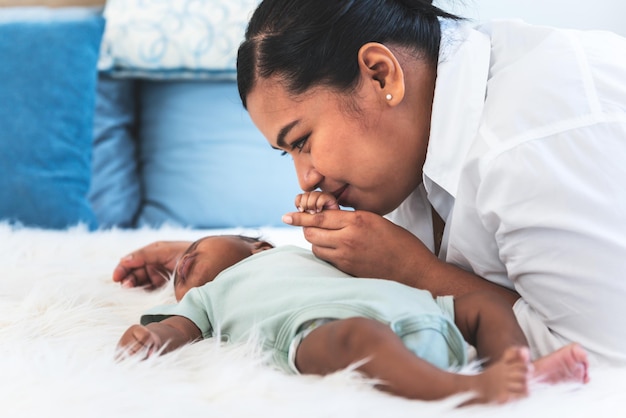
314,319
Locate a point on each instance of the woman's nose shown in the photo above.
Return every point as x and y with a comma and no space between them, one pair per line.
308,177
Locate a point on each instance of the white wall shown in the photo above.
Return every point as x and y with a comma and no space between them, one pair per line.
578,14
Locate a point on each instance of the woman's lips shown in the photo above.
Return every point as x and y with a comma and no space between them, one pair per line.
339,194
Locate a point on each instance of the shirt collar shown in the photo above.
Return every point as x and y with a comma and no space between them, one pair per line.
460,91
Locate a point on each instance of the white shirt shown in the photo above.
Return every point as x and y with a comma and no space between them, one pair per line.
527,164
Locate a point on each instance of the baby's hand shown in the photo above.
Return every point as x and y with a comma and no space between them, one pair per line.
315,202
149,266
138,340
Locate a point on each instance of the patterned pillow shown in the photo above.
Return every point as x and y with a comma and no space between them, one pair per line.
174,38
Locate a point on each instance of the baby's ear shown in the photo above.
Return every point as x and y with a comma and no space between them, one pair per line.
261,246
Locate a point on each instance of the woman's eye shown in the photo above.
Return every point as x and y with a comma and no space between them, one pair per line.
300,143
297,144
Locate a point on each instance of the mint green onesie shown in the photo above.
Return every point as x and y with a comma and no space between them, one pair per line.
274,292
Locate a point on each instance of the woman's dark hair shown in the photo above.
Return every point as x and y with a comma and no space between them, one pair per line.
315,42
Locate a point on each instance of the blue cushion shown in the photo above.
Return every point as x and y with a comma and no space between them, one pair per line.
115,191
48,72
204,164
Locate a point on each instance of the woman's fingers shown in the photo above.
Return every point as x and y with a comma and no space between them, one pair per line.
330,219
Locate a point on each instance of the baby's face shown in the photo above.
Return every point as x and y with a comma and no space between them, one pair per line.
209,256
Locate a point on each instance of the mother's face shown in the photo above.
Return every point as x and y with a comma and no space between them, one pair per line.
370,158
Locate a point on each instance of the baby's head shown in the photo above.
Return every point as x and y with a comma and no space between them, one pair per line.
209,256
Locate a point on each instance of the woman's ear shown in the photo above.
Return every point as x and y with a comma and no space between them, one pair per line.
381,69
261,246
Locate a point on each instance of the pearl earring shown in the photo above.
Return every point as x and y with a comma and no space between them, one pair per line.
388,96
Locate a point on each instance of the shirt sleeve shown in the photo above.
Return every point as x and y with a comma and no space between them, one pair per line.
557,209
192,306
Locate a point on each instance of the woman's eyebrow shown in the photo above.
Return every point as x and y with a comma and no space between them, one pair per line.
280,138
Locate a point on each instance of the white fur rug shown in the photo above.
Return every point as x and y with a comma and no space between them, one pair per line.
61,317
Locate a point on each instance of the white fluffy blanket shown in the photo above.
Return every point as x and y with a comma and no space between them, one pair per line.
61,317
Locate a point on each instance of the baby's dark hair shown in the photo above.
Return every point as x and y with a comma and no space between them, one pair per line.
311,43
177,280
254,239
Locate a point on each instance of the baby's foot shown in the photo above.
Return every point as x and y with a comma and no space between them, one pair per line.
567,364
507,379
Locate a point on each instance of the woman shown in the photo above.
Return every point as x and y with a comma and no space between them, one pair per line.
500,149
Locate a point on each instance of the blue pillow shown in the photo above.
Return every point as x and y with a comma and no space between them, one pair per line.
115,192
203,162
48,77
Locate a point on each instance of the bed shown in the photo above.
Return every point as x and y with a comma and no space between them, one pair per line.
62,316
124,154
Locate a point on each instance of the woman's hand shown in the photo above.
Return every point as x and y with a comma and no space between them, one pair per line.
149,266
363,244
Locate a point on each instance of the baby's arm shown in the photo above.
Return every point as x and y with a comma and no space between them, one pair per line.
315,202
151,265
159,337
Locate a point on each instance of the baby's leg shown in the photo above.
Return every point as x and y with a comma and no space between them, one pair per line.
567,364
487,322
506,379
339,344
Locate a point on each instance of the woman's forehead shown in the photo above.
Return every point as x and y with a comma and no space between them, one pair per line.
272,108
275,87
